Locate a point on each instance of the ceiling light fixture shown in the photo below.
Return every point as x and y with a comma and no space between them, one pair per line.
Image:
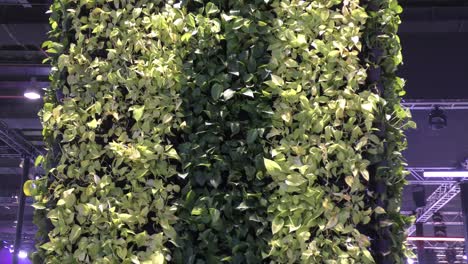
445,174
32,93
446,239
437,119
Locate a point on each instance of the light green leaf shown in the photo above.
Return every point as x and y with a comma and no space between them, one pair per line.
98,107
332,222
248,93
127,218
38,160
271,166
92,124
75,233
38,206
295,180
349,180
211,8
29,188
276,80
300,40
365,174
290,63
367,106
277,224
137,111
379,210
172,153
197,211
158,258
167,118
367,256
228,94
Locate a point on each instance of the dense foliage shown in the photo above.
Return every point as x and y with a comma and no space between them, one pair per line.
263,131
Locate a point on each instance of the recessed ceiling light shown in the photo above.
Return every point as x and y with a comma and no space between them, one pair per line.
32,95
22,254
447,174
447,239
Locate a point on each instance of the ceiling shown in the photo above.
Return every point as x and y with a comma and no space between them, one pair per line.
434,36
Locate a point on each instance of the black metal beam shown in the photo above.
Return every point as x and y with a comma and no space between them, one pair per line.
420,244
464,205
22,199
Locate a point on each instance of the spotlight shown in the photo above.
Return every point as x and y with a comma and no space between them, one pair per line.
31,95
33,92
437,119
22,254
465,257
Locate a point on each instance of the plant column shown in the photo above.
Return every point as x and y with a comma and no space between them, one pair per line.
223,131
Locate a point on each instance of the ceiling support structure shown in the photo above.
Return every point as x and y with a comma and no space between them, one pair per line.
461,104
440,197
17,142
440,248
418,175
19,220
432,182
10,155
14,201
28,239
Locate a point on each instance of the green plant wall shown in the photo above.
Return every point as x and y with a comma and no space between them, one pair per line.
263,131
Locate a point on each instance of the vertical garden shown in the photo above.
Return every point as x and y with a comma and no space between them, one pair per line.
260,131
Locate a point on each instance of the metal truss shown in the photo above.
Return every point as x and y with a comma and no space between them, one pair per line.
17,142
430,104
451,218
440,197
439,245
440,248
417,174
28,240
13,201
10,155
432,182
7,152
